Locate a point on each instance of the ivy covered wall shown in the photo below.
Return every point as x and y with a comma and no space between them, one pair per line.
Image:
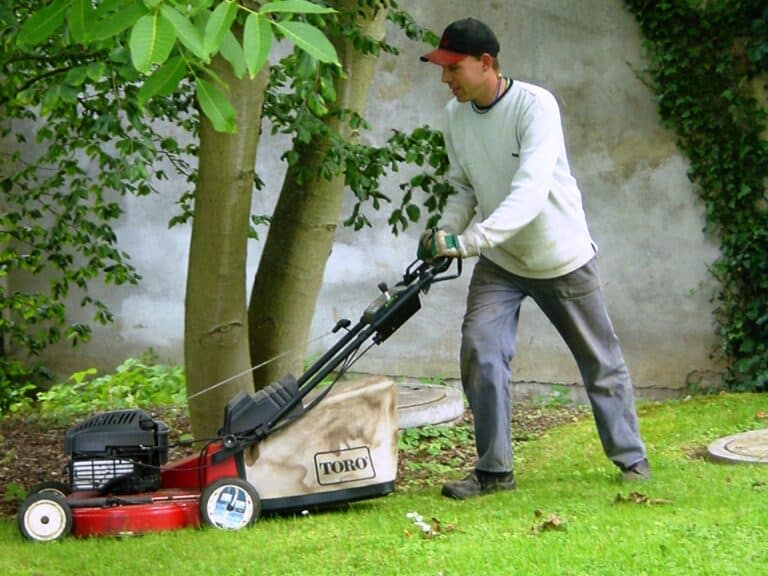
708,66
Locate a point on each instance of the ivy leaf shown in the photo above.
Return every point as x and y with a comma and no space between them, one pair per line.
296,6
216,106
43,23
218,25
152,39
310,39
187,32
257,42
163,81
232,52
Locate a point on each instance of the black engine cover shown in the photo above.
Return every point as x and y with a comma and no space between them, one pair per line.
126,433
118,452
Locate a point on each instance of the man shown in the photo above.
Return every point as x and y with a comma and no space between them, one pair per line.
508,162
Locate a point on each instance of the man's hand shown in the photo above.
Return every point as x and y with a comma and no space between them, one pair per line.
425,243
441,244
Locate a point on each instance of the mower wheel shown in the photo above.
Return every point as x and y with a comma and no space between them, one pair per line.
230,504
51,486
45,516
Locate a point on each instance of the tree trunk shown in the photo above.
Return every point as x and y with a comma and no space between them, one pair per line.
303,226
216,322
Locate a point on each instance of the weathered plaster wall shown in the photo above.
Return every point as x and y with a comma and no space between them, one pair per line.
641,208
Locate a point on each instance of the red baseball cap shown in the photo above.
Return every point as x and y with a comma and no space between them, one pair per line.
467,37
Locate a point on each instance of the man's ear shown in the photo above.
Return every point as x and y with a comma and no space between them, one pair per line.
487,61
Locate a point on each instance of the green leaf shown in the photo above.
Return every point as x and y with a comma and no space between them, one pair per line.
218,25
327,89
106,7
43,23
69,94
114,22
295,6
163,81
194,7
216,106
187,32
257,42
152,39
309,39
77,75
51,99
80,19
232,52
317,105
96,70
306,67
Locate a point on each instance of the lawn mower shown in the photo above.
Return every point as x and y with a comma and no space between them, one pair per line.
278,450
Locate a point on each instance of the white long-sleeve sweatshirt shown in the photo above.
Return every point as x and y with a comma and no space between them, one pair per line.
509,164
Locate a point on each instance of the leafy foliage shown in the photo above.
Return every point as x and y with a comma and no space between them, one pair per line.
195,31
301,101
89,93
136,383
437,449
706,58
424,147
434,439
79,140
15,388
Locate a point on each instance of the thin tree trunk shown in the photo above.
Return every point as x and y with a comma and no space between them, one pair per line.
303,226
216,322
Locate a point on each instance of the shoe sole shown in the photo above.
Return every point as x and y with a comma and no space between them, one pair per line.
449,494
634,477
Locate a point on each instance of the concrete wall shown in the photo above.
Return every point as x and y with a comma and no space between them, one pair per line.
642,212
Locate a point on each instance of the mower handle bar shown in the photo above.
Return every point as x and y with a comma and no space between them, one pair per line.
418,277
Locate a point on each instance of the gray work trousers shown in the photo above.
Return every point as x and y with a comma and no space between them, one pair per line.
574,304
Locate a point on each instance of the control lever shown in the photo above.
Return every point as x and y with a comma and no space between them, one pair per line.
385,290
343,323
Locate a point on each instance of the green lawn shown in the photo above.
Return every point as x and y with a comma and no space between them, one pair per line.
695,517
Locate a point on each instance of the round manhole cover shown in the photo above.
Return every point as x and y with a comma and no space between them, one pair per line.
420,404
409,395
748,447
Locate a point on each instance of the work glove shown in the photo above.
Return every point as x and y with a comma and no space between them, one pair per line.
437,243
425,241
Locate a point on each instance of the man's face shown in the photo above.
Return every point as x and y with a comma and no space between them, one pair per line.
466,79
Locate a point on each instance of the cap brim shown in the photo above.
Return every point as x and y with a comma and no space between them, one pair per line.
443,57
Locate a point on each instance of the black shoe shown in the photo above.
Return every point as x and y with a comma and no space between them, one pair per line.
638,472
477,483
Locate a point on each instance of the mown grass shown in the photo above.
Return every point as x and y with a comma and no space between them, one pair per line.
694,517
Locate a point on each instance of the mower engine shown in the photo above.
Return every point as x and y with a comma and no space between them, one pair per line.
117,452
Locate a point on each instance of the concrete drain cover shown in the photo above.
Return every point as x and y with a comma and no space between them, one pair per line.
747,447
422,404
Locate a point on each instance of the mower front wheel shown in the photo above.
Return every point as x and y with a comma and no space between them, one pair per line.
51,486
230,504
45,516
